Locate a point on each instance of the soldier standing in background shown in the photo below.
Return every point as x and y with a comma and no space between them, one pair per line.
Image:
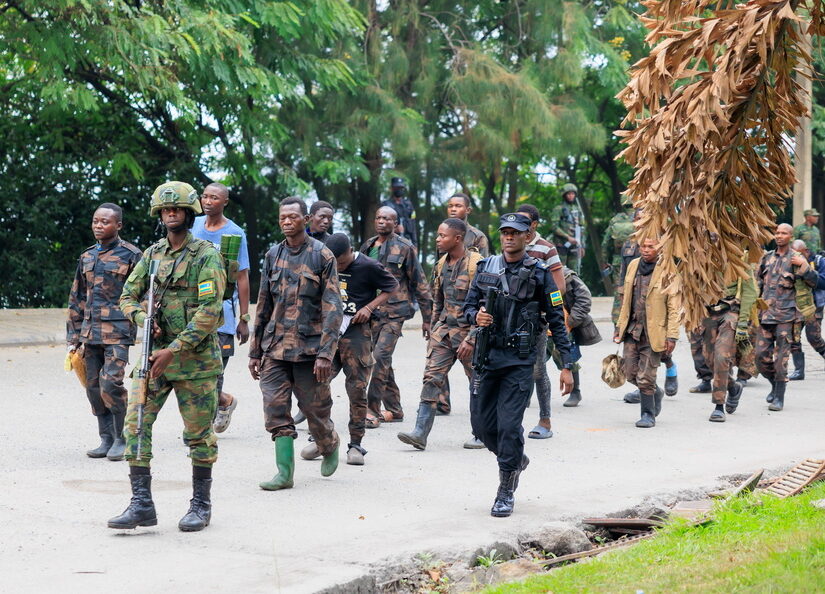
780,324
809,231
364,286
320,220
813,327
526,292
186,357
458,207
568,228
96,322
400,258
405,225
543,251
451,338
211,227
297,324
617,233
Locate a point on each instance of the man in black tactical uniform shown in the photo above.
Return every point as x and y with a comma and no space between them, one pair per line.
405,210
524,289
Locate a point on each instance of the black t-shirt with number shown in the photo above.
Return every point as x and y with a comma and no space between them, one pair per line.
360,282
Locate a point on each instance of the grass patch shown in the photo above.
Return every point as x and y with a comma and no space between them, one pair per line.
756,544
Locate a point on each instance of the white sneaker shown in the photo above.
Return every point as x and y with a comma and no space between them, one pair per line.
355,457
474,444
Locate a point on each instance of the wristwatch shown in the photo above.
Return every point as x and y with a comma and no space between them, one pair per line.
245,317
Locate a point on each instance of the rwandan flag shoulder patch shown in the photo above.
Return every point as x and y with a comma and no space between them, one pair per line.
206,289
555,298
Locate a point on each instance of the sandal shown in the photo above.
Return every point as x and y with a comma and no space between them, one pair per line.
540,432
372,422
388,417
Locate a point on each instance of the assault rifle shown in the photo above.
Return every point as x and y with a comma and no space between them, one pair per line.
481,352
148,342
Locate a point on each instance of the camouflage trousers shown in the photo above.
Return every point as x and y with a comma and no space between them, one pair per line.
569,257
641,363
773,347
354,356
813,332
105,368
197,401
746,357
385,335
618,293
719,350
279,379
441,356
703,370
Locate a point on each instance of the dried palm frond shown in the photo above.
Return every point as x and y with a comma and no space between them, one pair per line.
713,110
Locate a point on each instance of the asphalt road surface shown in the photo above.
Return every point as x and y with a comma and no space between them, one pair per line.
55,501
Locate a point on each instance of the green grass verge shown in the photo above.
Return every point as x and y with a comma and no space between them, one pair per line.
756,544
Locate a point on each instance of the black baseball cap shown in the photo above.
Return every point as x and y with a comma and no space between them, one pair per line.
514,220
397,181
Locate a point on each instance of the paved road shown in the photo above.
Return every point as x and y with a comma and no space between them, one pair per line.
55,501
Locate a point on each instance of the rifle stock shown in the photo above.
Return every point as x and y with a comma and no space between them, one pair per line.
481,352
146,352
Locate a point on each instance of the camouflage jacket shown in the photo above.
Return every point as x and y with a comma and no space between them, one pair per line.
777,287
189,288
474,238
94,310
299,311
450,284
618,231
563,220
810,235
400,257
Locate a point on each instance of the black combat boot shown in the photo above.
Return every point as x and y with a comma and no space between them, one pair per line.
505,499
106,432
417,438
648,418
576,394
118,448
634,397
734,394
769,397
141,510
703,387
798,366
657,401
200,506
778,402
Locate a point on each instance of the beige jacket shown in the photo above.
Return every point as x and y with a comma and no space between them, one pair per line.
663,311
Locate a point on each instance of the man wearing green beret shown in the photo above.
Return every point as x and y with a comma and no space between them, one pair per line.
809,231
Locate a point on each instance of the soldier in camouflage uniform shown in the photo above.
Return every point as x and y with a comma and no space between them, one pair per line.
617,233
568,228
96,322
365,286
813,326
726,327
186,358
458,207
779,324
809,231
451,338
400,258
297,323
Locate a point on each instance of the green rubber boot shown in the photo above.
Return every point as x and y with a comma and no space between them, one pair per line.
285,461
330,463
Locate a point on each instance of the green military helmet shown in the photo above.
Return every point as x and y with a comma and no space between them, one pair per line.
569,188
175,193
